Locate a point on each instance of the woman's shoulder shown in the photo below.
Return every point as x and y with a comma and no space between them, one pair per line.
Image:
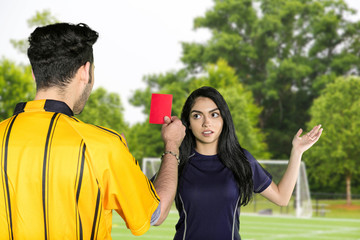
248,155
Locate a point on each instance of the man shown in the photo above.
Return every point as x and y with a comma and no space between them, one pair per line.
61,177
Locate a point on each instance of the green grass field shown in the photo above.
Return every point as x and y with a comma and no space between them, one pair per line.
255,227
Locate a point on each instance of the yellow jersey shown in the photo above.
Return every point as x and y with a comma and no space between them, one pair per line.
61,178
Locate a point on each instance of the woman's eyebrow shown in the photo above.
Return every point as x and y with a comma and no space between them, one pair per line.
197,111
215,109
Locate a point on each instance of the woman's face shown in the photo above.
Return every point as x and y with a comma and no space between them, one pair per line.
206,122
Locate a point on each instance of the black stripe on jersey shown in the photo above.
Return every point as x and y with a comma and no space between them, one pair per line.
76,181
107,130
81,173
136,162
81,229
95,215
74,119
150,186
3,177
97,230
48,168
8,212
44,177
82,150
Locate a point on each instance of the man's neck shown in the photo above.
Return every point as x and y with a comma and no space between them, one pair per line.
55,94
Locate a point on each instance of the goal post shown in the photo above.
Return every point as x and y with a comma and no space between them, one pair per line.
150,166
301,205
301,195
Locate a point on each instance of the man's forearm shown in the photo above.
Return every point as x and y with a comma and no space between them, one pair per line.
166,183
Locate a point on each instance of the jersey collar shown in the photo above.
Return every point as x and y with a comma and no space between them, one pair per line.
44,105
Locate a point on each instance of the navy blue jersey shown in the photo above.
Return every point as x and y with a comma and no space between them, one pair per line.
209,198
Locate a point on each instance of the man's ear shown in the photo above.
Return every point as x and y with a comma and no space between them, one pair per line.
85,69
32,73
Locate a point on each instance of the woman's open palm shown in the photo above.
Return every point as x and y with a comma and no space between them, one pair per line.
305,142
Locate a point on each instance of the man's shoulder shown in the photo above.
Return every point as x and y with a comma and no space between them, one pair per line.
99,133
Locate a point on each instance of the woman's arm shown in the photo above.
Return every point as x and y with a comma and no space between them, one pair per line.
280,194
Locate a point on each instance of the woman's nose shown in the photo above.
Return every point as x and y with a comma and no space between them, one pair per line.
206,122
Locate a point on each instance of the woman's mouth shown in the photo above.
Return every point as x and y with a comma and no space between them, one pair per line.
207,133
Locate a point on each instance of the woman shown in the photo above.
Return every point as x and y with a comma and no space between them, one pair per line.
217,176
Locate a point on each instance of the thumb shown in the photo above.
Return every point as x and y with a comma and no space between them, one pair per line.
299,132
167,120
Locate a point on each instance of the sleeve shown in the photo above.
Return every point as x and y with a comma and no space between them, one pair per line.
261,178
128,190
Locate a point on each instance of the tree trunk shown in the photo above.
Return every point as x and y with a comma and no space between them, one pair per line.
348,190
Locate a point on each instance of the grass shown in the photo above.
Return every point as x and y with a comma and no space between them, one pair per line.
336,224
326,208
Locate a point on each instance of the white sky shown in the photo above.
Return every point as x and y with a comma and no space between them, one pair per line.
137,37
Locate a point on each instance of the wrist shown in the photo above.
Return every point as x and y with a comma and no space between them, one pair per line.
296,152
175,155
169,146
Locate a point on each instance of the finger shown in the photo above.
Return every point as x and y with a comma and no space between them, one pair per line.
316,137
314,131
167,120
319,133
299,132
173,118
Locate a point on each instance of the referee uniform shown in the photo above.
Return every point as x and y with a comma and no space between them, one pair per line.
61,178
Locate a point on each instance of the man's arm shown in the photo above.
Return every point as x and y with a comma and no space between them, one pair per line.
173,132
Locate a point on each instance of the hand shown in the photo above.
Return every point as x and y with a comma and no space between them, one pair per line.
306,141
173,133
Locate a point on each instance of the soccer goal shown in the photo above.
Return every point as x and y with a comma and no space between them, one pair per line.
301,199
150,166
300,205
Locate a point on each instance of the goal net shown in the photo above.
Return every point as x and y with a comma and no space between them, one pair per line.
150,166
300,204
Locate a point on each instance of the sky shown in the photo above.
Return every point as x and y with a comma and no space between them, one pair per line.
137,37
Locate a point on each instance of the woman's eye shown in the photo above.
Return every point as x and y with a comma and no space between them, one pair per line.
215,115
196,116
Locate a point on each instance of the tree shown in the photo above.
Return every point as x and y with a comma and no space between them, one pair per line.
39,19
145,138
220,76
16,85
104,109
337,153
285,51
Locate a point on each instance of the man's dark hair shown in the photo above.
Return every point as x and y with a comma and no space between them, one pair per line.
229,150
58,50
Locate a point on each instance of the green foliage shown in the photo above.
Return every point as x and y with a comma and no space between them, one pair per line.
104,109
336,155
220,76
144,140
16,85
284,51
39,19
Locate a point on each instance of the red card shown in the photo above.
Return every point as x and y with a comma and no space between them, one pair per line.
160,107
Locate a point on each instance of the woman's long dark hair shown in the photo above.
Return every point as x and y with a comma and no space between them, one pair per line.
229,150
